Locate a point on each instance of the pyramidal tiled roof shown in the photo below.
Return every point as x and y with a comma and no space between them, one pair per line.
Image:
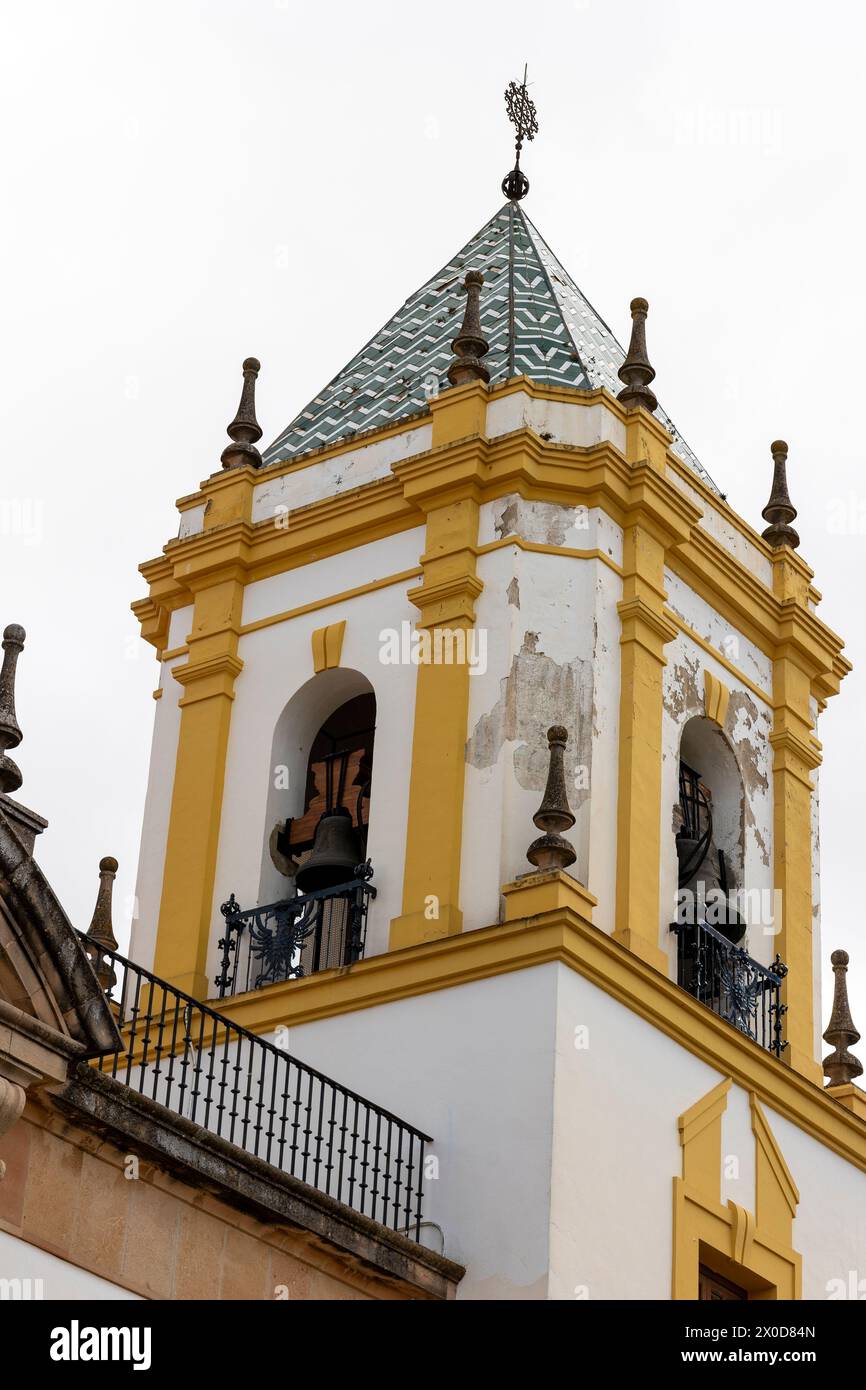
558,339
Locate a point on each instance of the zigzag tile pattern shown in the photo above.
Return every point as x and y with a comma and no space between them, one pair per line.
559,339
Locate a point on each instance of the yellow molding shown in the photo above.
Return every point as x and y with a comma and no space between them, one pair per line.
172,653
567,937
644,633
777,1196
752,1249
535,893
717,697
704,1112
851,1096
538,548
327,644
208,678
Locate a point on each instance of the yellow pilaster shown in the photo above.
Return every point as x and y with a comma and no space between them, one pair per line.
644,632
207,678
445,599
796,754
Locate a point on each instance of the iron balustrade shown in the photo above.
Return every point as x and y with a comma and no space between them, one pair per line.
727,980
294,937
199,1064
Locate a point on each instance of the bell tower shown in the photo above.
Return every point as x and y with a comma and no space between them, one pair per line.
481,581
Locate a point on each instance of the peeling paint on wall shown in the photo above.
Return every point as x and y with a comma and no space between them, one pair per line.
536,693
681,694
513,593
543,523
749,729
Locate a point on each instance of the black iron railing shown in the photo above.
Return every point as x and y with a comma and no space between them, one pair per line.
199,1064
294,937
736,987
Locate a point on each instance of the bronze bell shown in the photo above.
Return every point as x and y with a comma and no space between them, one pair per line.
335,854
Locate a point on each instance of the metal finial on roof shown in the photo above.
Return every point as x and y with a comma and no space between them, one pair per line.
522,115
470,345
840,1065
636,371
244,429
780,511
553,816
101,932
10,733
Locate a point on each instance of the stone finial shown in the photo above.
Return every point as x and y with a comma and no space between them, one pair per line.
780,511
840,1065
101,931
244,429
636,371
10,733
470,345
551,851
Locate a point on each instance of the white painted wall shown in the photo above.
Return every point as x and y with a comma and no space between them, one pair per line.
50,1277
328,477
472,1066
552,657
556,421
830,1225
555,1160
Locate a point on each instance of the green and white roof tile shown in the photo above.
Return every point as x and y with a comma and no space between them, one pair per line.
559,339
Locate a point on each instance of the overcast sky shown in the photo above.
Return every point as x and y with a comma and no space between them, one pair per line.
188,183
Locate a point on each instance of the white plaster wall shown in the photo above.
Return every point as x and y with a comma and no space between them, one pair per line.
157,804
473,1066
830,1225
556,421
278,663
552,656
58,1279
725,533
330,476
616,1147
192,521
556,1161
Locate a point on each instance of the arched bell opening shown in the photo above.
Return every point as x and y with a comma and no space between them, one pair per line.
709,830
314,888
323,846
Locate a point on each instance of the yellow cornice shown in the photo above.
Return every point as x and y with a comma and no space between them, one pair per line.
565,937
535,469
767,621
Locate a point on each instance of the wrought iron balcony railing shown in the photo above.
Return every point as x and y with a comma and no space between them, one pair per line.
199,1064
736,987
295,937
